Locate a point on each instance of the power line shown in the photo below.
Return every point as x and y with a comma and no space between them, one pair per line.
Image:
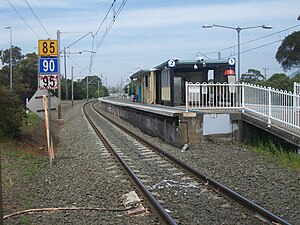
114,18
105,17
256,39
37,18
251,49
23,19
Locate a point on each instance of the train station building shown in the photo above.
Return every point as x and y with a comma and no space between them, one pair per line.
165,83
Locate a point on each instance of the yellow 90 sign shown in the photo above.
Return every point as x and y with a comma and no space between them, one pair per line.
48,48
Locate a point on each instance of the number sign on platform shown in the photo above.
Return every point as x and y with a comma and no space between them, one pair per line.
49,82
48,48
48,66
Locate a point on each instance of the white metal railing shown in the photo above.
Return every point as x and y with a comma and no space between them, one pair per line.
213,96
296,88
276,106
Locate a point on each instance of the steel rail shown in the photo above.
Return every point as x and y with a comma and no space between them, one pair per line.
214,185
151,200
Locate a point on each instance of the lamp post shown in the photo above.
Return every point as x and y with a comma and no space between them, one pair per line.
238,29
10,59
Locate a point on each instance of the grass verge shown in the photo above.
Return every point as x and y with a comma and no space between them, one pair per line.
21,160
286,158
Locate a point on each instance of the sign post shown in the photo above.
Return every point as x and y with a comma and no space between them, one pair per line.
48,70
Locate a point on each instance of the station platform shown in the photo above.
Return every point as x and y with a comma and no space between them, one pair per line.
173,124
151,108
178,127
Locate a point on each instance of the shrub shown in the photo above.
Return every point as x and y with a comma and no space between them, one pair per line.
11,114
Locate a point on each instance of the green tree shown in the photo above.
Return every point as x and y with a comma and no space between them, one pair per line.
103,91
296,78
25,74
288,53
280,81
16,55
252,76
11,114
131,87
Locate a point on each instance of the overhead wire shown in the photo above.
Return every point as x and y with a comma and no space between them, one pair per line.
254,48
37,18
116,13
256,39
23,19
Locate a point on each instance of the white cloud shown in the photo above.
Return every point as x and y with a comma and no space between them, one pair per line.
149,35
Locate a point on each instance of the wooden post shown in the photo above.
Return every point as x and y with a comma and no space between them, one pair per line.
47,114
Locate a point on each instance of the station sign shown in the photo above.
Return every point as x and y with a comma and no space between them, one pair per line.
171,63
48,66
48,48
49,82
231,61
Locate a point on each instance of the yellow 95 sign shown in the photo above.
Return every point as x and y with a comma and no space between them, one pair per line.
48,48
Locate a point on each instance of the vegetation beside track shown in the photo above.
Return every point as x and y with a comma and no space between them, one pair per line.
290,159
21,159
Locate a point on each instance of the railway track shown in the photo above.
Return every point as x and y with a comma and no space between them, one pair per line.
174,191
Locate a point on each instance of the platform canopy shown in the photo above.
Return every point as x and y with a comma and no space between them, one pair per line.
193,65
139,73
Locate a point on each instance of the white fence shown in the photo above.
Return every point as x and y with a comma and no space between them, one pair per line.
275,106
296,88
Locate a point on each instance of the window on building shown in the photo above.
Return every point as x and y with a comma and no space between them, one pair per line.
165,78
147,81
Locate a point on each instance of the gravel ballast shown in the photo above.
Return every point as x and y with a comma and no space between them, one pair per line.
83,174
255,176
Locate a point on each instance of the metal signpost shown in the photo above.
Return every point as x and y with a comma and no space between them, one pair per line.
48,79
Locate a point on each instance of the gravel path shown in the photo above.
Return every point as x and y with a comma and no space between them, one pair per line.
254,176
82,175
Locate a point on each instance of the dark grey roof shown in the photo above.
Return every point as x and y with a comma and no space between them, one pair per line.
140,73
181,64
187,66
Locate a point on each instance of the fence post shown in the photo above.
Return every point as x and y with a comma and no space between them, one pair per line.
270,108
186,97
243,97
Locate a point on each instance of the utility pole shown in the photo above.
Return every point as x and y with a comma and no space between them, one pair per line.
72,86
265,73
59,75
65,62
87,88
98,88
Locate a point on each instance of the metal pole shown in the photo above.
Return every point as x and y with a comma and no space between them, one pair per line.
65,62
87,88
72,86
10,64
98,89
239,53
59,75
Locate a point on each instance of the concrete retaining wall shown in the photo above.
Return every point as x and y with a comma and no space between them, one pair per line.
185,128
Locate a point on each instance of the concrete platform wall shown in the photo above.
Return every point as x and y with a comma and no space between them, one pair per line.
166,128
185,128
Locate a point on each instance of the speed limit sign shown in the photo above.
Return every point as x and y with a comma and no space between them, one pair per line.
49,82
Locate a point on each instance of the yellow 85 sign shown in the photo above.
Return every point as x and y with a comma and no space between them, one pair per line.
48,48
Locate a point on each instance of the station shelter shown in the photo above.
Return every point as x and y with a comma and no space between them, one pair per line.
165,83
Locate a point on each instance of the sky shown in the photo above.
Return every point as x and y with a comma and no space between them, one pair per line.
146,33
